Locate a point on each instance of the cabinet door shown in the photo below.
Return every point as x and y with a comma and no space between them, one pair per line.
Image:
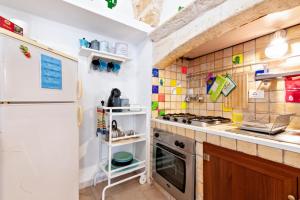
230,175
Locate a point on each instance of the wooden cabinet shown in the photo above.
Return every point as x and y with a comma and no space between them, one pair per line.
231,175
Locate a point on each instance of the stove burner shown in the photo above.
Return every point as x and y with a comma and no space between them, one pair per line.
192,119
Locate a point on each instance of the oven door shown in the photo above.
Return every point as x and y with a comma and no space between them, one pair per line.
174,171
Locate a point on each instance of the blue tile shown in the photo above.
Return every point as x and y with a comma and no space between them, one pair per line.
155,89
155,72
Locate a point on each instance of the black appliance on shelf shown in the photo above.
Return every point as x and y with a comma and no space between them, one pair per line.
114,99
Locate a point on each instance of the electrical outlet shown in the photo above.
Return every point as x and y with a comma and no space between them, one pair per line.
256,94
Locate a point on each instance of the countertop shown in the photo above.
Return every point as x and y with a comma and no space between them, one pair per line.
289,140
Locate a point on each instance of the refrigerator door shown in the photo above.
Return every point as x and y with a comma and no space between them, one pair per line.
24,79
39,152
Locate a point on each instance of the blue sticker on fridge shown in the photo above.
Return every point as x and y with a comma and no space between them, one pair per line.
51,72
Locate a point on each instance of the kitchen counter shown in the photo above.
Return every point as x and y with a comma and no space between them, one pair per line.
289,140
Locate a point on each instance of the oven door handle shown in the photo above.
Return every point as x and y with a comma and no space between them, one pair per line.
171,151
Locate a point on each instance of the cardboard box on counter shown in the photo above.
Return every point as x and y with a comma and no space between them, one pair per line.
8,25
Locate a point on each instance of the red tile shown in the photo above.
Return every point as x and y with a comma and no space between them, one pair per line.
161,97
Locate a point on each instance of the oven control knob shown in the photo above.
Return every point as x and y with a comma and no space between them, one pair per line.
177,143
175,119
181,145
189,121
184,120
156,135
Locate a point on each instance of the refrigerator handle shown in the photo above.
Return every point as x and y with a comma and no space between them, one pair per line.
79,116
79,89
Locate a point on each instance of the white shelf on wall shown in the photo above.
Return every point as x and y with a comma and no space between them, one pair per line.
95,54
270,76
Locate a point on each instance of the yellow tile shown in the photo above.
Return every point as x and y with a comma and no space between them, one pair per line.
173,83
247,147
292,159
183,105
213,139
178,90
228,143
270,153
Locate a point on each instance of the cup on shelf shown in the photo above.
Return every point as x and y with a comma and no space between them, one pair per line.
104,46
95,44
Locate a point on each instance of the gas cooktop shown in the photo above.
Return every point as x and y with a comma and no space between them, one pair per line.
195,120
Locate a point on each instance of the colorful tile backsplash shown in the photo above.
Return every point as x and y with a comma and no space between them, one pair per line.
172,84
172,87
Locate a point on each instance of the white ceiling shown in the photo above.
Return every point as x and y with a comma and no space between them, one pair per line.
57,10
257,28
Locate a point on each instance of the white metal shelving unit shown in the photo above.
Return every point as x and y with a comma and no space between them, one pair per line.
135,119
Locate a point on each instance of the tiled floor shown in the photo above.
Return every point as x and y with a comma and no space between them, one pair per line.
130,190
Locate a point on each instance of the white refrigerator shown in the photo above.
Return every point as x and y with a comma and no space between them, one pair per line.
38,123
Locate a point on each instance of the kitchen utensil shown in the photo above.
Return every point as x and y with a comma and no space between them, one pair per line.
104,45
280,124
95,44
217,87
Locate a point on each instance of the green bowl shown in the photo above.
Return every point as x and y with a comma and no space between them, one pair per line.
122,157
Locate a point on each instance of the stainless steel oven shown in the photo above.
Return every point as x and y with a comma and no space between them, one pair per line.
174,163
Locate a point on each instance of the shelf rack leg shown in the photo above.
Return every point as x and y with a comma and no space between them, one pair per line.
119,182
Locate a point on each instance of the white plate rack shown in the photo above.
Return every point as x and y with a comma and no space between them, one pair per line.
131,118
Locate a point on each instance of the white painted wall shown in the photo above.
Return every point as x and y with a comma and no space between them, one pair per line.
97,85
170,8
